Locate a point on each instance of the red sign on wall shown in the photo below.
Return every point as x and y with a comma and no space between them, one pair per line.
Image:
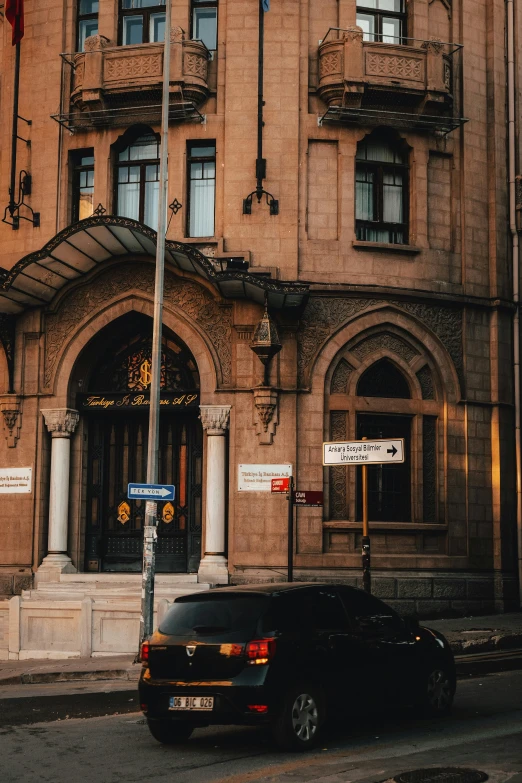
308,498
281,485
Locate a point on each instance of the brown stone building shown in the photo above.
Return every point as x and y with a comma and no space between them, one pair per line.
382,247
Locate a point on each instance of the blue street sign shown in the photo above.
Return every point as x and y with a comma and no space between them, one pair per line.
150,492
266,5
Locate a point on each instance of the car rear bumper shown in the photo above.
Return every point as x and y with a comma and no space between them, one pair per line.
233,702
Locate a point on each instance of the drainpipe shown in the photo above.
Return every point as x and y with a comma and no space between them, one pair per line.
510,22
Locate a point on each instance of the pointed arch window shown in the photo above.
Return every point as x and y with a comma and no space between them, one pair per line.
381,191
137,180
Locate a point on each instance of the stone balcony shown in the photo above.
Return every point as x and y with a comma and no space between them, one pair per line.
109,82
376,77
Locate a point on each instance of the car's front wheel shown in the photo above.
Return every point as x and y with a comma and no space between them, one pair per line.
438,691
300,719
169,732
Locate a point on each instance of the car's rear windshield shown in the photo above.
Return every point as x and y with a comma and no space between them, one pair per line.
215,615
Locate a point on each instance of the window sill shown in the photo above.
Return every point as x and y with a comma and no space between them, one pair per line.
386,247
421,527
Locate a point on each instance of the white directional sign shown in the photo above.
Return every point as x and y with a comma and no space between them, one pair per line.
150,492
363,452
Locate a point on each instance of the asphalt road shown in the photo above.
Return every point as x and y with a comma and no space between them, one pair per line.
484,732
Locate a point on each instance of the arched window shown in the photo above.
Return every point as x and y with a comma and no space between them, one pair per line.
382,20
381,189
383,379
394,395
137,180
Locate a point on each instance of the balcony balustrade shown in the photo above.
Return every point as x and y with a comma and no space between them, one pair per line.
361,79
112,85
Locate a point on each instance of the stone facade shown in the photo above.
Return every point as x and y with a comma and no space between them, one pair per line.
437,308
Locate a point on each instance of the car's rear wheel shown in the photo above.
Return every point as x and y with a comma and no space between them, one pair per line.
169,732
438,691
300,719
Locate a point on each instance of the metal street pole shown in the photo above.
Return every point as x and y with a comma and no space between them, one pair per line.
291,530
150,531
366,566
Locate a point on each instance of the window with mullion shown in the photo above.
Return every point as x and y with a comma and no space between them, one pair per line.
204,22
87,22
142,21
202,189
137,181
382,20
381,204
83,184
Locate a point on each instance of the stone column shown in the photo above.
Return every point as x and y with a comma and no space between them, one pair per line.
213,567
61,423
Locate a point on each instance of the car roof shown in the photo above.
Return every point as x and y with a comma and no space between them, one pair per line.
267,588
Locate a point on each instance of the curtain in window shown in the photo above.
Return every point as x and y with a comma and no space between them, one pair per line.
202,198
150,212
364,196
392,197
129,192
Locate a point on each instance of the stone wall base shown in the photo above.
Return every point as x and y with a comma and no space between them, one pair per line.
14,580
426,594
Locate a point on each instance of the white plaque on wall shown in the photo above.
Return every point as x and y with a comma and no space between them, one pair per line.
15,480
258,478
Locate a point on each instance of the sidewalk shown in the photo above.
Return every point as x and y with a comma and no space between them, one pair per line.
117,667
467,635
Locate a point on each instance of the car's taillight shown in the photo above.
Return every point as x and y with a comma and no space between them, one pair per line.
145,652
260,651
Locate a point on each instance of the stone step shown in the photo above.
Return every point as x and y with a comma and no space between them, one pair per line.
84,578
60,592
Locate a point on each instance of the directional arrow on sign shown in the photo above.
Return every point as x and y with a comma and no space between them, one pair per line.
392,451
150,492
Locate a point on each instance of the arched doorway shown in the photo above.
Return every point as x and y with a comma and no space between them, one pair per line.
116,405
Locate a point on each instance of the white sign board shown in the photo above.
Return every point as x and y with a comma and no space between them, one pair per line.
15,480
258,478
362,452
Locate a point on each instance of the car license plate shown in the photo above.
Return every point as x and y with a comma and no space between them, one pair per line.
191,703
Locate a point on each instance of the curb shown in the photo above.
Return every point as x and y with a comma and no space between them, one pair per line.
37,678
485,644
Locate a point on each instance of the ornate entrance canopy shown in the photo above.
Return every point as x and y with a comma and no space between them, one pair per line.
79,248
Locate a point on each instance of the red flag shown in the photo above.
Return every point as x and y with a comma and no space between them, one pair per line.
14,13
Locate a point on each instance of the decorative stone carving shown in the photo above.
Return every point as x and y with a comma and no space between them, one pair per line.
192,299
177,34
325,315
387,341
330,63
340,378
61,422
322,316
96,42
139,66
352,34
10,406
195,65
215,418
425,379
394,66
267,418
79,74
338,505
434,45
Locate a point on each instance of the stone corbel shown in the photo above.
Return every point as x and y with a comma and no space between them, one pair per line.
10,406
266,415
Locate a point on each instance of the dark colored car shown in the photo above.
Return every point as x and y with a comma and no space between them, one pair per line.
287,655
